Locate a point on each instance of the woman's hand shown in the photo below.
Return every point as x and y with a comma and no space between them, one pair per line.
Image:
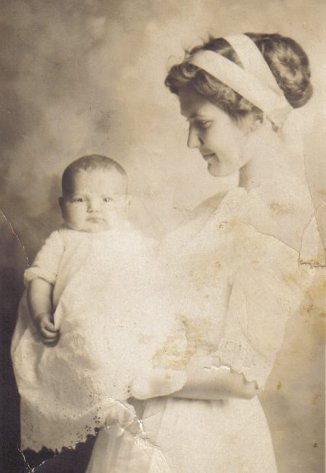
216,384
158,382
46,329
121,416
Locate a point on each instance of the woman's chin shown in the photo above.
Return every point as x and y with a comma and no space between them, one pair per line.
215,170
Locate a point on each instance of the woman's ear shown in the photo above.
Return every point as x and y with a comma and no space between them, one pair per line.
251,122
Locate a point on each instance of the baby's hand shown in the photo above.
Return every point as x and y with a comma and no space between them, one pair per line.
159,382
46,329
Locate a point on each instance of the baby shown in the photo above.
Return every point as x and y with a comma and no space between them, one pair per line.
94,318
94,199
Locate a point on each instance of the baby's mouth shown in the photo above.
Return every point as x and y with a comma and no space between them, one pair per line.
95,219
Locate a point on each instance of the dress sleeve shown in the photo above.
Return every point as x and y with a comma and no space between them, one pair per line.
265,288
46,263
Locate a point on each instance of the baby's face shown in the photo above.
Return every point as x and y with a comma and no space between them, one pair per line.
97,202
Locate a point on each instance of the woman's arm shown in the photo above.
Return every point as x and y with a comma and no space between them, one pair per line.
209,384
215,384
39,297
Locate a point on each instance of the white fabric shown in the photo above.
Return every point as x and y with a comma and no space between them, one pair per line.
191,436
253,61
108,298
245,83
236,266
236,287
237,279
279,196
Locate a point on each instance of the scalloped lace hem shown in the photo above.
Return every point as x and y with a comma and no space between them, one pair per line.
42,430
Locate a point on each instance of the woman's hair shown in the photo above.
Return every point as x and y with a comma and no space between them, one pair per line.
89,162
286,59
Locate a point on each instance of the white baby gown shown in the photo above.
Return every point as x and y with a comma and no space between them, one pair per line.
233,287
107,297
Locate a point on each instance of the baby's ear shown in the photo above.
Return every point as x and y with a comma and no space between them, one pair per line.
124,201
61,204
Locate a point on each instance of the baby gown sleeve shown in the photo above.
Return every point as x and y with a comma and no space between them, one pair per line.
46,263
45,266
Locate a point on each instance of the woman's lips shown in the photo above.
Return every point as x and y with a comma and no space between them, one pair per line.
210,156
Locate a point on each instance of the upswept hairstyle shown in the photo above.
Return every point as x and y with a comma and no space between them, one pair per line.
89,162
285,57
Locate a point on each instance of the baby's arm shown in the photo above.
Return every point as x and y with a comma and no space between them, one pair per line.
39,296
40,279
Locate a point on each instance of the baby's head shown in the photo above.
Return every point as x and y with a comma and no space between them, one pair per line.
94,194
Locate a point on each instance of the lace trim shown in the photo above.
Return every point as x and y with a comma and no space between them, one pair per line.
243,359
55,432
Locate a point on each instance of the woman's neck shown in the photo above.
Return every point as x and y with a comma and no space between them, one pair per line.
265,158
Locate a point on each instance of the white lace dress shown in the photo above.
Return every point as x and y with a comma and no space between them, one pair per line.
107,297
234,288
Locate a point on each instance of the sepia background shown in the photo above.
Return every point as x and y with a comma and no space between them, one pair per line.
87,76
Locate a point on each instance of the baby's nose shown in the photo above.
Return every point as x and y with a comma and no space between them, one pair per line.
93,205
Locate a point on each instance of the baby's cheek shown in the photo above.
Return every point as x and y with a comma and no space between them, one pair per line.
114,215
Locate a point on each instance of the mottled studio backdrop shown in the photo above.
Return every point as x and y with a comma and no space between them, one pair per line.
81,77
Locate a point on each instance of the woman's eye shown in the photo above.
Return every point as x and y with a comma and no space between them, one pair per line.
107,199
78,199
203,123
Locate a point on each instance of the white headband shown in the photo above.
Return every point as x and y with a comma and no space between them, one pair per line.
255,82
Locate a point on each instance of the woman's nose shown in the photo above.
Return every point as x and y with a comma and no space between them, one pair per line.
194,139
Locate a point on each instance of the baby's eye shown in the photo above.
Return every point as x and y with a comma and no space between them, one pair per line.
77,199
107,199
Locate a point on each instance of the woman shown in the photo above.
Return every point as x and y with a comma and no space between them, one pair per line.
233,267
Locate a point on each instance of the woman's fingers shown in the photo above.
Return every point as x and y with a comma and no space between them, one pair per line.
120,413
158,382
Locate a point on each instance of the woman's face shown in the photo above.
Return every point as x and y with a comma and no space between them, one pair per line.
219,139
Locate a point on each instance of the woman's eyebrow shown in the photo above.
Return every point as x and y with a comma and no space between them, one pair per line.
196,115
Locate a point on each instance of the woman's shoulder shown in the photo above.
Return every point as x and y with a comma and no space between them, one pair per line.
209,205
227,209
204,213
246,230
